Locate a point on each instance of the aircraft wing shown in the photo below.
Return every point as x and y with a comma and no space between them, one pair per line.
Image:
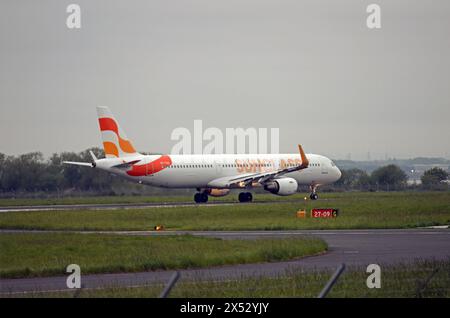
243,180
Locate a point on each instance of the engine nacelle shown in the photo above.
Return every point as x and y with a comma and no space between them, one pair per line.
217,192
283,186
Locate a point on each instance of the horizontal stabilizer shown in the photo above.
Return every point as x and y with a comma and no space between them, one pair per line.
86,164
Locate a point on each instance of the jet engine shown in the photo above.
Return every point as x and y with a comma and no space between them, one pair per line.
283,186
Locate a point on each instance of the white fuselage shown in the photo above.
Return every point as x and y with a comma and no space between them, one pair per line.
198,171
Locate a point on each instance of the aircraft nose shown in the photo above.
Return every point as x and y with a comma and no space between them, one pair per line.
338,174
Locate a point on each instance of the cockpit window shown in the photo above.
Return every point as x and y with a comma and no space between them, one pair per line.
332,163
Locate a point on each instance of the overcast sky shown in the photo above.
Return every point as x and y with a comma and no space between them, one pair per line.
311,68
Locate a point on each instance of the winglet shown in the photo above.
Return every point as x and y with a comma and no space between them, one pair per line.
305,161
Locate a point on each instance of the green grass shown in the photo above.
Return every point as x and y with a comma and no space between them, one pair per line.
233,197
403,280
358,211
27,255
92,200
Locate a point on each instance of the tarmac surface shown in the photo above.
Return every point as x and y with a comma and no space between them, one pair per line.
127,206
352,247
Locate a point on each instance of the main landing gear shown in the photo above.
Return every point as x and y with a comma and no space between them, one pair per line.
245,197
201,197
313,195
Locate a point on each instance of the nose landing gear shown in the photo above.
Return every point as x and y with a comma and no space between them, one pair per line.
313,195
245,197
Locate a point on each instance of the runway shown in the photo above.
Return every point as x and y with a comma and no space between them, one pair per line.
352,247
127,206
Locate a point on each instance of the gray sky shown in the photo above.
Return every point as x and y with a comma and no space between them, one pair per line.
311,68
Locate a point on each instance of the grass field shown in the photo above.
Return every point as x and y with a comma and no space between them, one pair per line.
233,197
357,211
27,255
96,200
404,280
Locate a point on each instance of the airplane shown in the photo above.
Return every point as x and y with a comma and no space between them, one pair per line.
211,174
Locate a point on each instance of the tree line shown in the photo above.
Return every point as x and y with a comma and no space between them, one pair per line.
32,173
390,178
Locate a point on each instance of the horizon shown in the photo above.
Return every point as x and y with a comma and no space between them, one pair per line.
49,155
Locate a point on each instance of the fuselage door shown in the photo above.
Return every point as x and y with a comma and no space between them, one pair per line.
219,167
323,167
